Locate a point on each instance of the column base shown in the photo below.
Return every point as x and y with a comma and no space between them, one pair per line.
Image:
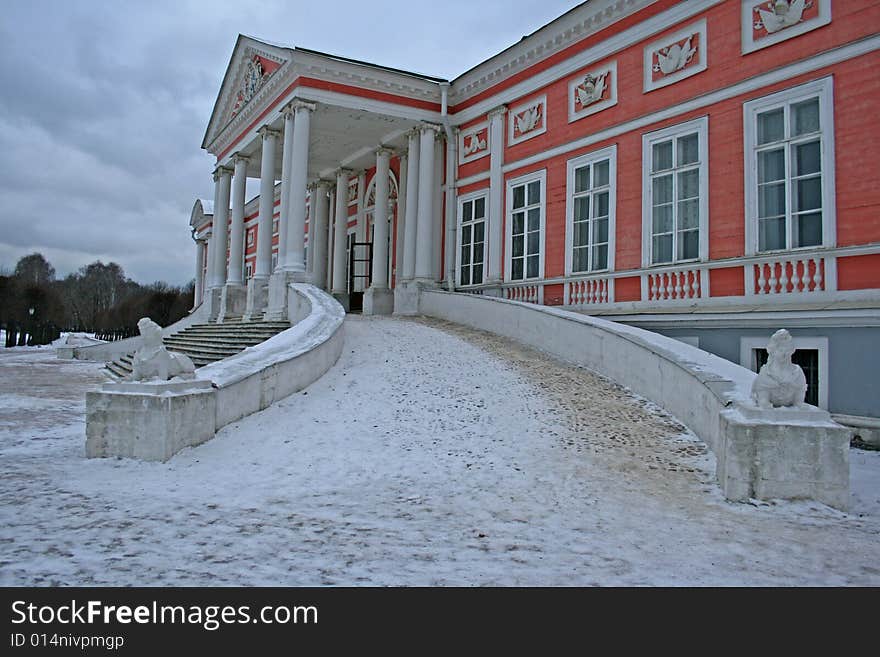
233,303
279,293
213,297
406,298
257,296
378,301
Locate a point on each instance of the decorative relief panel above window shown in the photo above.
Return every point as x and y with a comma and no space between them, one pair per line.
473,143
592,92
527,120
766,22
676,56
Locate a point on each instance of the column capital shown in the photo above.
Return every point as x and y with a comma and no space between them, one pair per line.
326,184
221,171
240,157
436,127
298,104
266,131
344,172
386,150
501,110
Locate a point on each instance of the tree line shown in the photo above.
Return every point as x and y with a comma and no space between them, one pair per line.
98,298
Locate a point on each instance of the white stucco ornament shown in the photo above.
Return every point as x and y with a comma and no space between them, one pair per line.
780,382
591,89
529,119
781,14
152,361
676,57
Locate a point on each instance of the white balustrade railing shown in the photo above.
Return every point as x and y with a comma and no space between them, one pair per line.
675,284
590,291
529,293
789,275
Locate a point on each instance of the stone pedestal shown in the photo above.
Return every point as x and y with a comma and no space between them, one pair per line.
257,297
279,291
213,297
378,301
406,298
782,453
149,421
233,302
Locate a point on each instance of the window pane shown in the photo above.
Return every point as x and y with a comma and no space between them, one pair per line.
465,276
688,149
534,242
479,230
806,117
771,234
771,165
807,158
807,229
581,234
662,189
582,179
600,256
477,277
662,156
600,204
689,184
771,200
478,253
662,219
689,214
519,196
465,235
662,249
465,255
479,208
518,243
535,219
516,271
467,210
579,260
519,223
809,194
600,173
600,231
688,244
533,266
771,126
582,208
535,192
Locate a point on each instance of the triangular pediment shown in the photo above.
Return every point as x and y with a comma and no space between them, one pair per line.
252,66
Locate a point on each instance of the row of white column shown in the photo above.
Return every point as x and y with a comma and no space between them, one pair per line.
418,231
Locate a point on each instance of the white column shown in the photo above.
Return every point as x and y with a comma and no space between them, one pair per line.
425,230
496,194
380,221
437,234
298,180
412,208
236,237
286,158
310,218
340,285
267,204
220,227
401,219
331,232
200,273
318,247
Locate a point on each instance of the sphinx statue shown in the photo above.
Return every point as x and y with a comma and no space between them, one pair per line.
780,382
153,361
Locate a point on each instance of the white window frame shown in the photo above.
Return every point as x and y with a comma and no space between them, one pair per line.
701,127
824,90
540,175
464,198
248,271
747,358
609,154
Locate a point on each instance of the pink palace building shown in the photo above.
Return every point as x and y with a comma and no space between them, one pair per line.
704,169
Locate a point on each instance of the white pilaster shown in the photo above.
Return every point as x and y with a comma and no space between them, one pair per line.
236,237
220,226
425,230
267,204
412,207
496,194
318,228
437,230
199,286
286,163
401,219
331,234
340,285
449,216
294,261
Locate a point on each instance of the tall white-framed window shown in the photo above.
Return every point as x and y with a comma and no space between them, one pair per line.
248,271
675,198
471,253
591,198
811,354
525,226
789,169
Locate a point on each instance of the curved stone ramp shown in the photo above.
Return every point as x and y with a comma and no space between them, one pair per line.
429,454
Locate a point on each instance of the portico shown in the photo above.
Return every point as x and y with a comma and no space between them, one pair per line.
324,130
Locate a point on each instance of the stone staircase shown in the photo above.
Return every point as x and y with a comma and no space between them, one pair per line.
206,343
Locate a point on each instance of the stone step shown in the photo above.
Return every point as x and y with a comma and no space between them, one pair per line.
186,340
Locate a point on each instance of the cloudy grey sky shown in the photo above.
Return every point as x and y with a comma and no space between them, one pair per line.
103,106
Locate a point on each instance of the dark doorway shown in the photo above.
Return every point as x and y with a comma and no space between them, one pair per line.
360,273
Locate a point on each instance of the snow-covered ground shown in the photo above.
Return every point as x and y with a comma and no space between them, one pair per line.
430,454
